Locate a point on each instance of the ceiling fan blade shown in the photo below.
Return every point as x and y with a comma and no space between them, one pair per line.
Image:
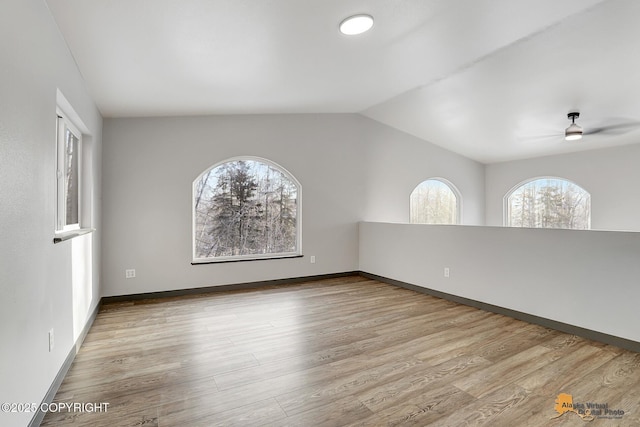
617,129
540,138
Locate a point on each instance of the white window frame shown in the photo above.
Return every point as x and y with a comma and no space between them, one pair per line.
453,189
249,257
506,207
63,125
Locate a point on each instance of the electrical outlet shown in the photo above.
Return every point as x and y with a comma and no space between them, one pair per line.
129,273
51,342
446,272
313,259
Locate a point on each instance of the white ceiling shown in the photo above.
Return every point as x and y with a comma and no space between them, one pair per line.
484,78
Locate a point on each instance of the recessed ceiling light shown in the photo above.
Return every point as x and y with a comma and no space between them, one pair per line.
356,24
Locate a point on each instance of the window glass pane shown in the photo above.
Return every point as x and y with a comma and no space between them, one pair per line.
245,207
71,178
433,202
549,203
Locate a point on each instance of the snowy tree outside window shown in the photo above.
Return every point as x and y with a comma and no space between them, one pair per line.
246,208
549,203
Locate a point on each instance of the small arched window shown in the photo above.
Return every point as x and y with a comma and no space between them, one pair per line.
246,208
434,201
549,203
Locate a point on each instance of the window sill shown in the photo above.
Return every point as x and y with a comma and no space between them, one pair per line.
226,260
66,235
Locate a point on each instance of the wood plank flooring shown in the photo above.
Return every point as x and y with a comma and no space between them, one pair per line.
339,352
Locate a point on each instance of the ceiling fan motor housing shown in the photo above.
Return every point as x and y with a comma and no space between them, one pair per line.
574,131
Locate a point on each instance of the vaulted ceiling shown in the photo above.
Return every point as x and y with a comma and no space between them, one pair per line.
490,79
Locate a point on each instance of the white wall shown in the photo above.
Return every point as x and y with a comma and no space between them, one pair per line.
397,162
350,167
583,278
149,168
42,285
611,176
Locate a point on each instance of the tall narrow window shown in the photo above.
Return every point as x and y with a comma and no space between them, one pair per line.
69,146
434,201
549,203
246,208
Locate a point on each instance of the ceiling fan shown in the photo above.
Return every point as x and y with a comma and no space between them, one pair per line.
575,132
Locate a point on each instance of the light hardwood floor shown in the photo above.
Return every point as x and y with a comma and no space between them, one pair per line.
340,352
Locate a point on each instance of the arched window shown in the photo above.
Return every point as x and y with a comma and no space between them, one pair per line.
246,208
434,201
549,203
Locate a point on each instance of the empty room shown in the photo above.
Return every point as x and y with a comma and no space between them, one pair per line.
319,213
